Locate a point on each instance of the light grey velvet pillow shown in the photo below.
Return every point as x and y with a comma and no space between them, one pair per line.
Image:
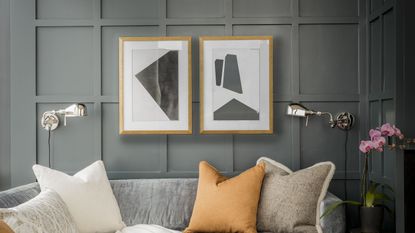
45,213
290,201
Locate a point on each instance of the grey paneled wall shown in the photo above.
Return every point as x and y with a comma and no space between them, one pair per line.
66,51
382,79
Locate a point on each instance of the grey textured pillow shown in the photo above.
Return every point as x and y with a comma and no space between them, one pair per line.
46,213
290,201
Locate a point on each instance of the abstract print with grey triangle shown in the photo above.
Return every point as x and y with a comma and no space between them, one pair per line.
236,85
160,80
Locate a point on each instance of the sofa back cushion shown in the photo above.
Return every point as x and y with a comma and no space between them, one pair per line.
165,202
18,195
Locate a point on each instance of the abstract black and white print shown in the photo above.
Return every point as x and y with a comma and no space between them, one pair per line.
236,84
155,70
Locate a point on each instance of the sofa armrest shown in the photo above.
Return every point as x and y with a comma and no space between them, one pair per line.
336,221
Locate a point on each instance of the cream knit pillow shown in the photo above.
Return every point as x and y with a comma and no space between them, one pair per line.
45,213
290,201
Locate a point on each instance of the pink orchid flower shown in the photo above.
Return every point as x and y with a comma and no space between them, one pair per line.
366,146
379,149
387,130
374,133
379,142
398,132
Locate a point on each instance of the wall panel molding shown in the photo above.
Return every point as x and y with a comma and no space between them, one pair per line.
381,98
94,32
23,107
5,94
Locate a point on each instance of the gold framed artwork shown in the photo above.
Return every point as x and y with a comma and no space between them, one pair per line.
155,85
236,87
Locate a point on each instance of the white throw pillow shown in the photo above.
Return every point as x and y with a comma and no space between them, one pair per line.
87,194
46,213
144,228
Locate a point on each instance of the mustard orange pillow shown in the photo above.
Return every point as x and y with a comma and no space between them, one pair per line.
4,228
226,204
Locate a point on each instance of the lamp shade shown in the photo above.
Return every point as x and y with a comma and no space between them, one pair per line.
297,110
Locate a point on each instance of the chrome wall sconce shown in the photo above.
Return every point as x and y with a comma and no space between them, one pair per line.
343,120
50,119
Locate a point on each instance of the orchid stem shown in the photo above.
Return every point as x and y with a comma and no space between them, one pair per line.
364,179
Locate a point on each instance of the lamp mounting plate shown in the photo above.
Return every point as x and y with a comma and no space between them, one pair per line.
344,120
49,121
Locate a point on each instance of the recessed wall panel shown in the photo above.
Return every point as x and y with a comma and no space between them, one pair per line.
337,187
389,56
277,146
375,5
128,153
374,114
186,151
388,113
72,146
320,143
195,9
64,61
110,36
282,53
261,8
64,9
117,9
328,8
195,32
329,59
353,190
375,59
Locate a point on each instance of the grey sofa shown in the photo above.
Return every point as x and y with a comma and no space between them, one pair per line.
165,202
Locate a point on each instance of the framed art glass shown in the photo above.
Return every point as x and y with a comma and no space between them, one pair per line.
155,85
236,85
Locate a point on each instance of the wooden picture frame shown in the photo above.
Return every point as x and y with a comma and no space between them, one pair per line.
236,84
155,85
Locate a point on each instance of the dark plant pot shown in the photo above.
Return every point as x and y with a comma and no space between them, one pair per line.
371,219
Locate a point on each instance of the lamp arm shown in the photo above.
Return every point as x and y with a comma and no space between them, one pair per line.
331,120
60,111
63,113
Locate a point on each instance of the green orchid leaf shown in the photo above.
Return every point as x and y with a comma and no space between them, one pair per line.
388,187
371,194
382,196
334,206
373,186
370,199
